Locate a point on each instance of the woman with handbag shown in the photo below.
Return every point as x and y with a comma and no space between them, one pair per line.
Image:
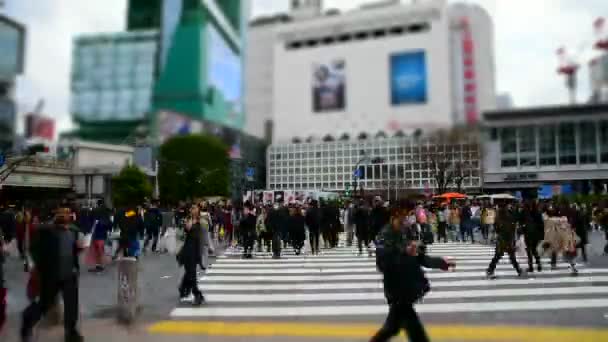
190,256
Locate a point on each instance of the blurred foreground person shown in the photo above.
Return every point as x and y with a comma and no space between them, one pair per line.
55,249
400,260
7,233
190,256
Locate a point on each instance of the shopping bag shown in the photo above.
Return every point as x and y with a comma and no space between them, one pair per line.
520,246
86,240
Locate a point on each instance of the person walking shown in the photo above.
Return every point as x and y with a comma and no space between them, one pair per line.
55,249
297,232
506,228
559,238
442,223
152,221
581,222
349,223
466,223
313,222
488,219
190,257
247,228
400,260
272,221
101,228
7,234
454,222
362,227
533,230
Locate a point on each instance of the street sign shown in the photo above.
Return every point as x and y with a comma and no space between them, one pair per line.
357,173
2,160
250,173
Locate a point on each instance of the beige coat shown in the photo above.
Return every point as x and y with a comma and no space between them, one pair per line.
559,235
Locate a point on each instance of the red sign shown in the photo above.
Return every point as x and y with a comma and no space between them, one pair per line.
37,126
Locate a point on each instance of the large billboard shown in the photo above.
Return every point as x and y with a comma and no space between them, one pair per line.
37,126
328,88
12,37
408,78
224,71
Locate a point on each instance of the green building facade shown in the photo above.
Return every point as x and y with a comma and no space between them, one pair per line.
197,71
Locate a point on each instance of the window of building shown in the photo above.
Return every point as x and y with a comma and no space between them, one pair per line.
508,147
546,142
567,144
587,143
604,141
527,146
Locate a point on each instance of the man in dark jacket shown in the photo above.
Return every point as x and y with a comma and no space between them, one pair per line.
152,221
401,261
55,250
273,224
247,228
379,218
533,229
362,226
506,220
313,221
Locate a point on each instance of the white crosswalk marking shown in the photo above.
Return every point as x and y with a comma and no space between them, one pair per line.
340,283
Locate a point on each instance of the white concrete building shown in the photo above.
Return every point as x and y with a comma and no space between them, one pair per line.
392,67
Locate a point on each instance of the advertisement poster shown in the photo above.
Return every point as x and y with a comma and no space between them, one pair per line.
328,88
268,196
408,78
279,197
172,124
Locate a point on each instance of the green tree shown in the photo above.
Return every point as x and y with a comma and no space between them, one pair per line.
193,166
130,187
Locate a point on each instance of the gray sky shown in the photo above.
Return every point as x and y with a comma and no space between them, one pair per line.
528,32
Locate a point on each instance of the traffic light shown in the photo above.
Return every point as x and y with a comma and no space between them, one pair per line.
37,148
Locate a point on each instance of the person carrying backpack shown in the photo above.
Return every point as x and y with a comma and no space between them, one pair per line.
400,260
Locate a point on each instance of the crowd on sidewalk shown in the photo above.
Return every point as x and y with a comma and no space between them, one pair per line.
51,243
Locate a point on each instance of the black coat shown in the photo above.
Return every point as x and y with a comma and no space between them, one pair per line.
45,251
533,226
404,279
379,218
297,232
362,222
190,253
313,219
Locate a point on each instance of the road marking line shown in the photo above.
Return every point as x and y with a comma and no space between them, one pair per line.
369,262
375,276
219,286
382,309
361,331
330,297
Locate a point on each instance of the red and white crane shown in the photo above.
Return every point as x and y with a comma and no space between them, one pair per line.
568,67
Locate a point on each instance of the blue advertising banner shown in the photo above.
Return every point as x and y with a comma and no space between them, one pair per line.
408,78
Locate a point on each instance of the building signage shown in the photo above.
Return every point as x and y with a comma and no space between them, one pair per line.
518,177
12,36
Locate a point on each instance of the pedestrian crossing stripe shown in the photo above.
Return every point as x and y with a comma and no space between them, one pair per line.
434,274
340,284
223,287
250,311
324,270
379,296
345,331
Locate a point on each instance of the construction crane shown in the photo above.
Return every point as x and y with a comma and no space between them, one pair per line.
601,33
568,67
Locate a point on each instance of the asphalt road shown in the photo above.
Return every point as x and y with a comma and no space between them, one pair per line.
258,293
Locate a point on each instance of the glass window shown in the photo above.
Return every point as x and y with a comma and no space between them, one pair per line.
527,146
604,141
546,137
567,144
508,147
587,143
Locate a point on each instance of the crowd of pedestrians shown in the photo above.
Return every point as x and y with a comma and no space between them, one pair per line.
50,243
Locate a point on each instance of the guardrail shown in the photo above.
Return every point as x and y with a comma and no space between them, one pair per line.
47,162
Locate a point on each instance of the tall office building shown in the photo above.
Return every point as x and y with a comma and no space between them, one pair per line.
177,56
12,41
